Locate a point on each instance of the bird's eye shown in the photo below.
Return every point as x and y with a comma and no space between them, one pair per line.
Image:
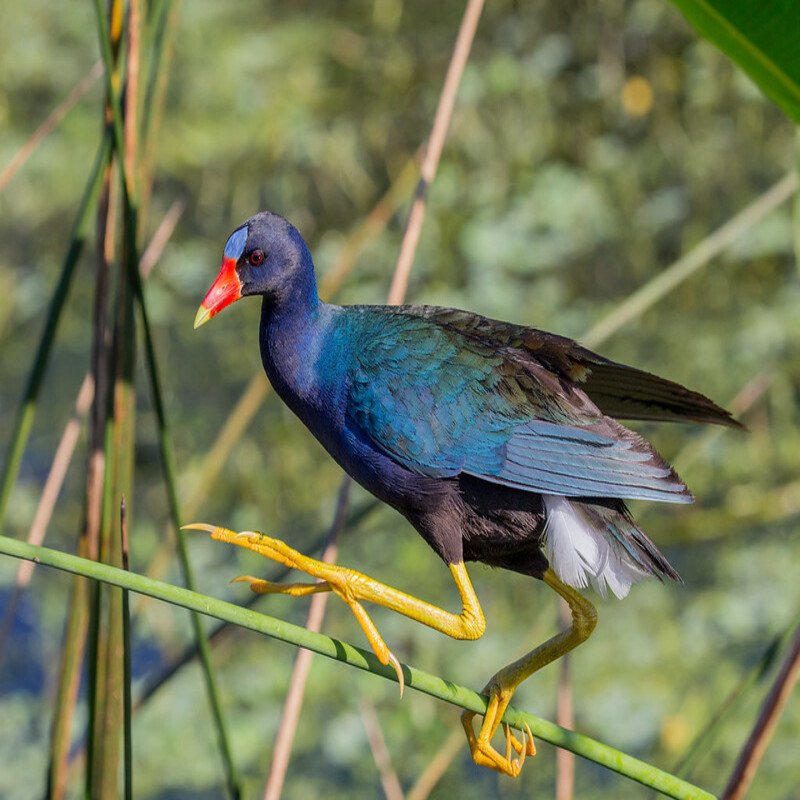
256,258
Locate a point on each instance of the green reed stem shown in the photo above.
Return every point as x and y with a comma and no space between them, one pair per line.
433,685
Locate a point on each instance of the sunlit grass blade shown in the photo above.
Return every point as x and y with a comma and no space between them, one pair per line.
433,685
699,256
96,484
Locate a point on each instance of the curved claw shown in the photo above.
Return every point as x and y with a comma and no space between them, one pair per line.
199,526
248,579
524,749
398,668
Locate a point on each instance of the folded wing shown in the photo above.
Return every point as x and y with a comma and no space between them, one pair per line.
440,404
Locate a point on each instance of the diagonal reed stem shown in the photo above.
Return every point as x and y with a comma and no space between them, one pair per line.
433,685
397,292
712,245
27,408
50,124
293,703
69,437
703,742
437,766
757,742
380,752
433,151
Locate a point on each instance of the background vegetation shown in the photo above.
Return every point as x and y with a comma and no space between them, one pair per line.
591,146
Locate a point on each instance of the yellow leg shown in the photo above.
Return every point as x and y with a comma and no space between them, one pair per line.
502,686
353,587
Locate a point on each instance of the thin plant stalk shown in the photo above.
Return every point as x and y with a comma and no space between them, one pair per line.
130,215
371,227
438,765
162,27
50,123
69,437
126,662
119,404
757,742
91,535
293,703
397,292
565,716
433,685
703,742
118,483
711,246
739,406
30,397
380,752
433,151
69,675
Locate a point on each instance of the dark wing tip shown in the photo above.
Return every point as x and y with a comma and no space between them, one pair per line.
629,393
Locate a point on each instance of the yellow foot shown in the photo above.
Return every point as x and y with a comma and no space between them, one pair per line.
483,753
350,585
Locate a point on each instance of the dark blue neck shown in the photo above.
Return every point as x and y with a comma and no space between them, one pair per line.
292,331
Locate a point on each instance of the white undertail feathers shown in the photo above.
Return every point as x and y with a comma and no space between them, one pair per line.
581,553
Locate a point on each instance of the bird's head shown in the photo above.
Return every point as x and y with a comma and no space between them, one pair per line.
266,256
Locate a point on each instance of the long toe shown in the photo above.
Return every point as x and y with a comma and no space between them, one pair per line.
484,753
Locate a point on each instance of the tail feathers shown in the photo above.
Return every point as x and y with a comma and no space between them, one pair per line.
593,544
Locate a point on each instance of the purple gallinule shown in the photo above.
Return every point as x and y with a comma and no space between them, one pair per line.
496,441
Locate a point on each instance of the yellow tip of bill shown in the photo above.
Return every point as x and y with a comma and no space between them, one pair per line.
202,316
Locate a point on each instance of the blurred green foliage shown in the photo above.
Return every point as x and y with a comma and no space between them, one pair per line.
591,146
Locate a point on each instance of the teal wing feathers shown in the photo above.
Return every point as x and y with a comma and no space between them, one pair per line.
616,389
440,396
